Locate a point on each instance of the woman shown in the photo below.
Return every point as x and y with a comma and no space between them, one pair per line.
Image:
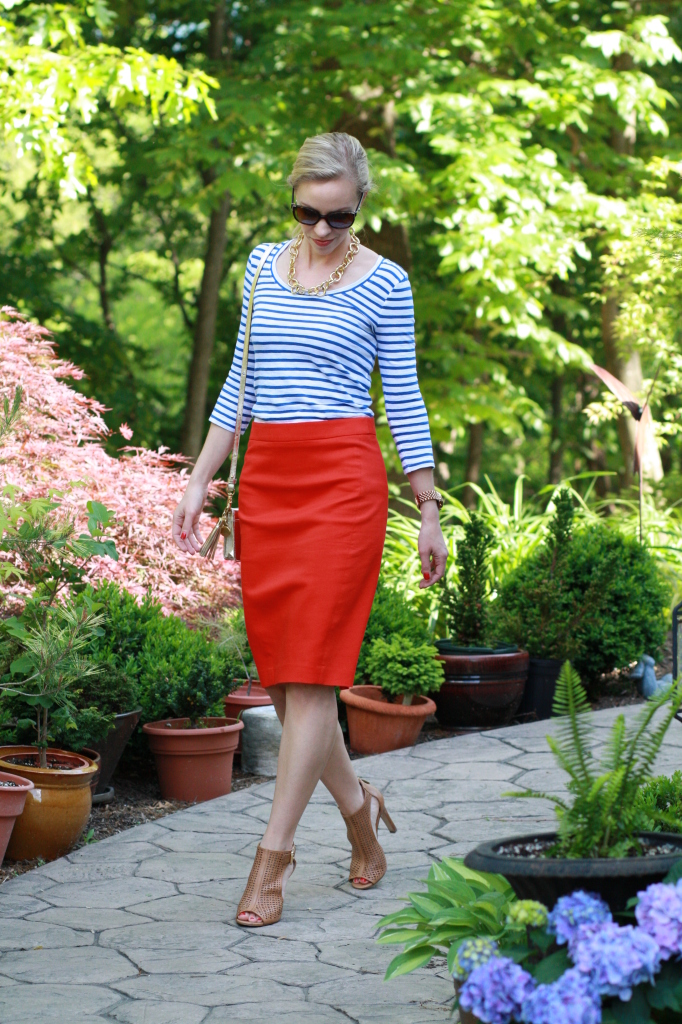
313,492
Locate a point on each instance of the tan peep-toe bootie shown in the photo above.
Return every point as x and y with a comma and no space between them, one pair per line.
264,893
368,860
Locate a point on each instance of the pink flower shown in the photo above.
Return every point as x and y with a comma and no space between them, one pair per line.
125,431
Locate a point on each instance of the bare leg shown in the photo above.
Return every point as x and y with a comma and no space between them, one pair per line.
339,775
309,732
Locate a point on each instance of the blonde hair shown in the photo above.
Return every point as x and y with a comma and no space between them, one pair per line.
332,155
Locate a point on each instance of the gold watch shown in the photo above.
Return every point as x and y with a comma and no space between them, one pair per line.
429,496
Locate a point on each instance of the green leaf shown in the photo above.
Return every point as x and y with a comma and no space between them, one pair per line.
551,968
675,873
635,1011
410,961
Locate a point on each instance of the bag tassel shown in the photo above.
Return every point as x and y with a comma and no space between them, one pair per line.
224,526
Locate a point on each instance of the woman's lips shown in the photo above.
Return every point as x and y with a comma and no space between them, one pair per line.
322,241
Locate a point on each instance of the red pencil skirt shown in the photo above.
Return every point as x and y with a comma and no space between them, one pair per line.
313,505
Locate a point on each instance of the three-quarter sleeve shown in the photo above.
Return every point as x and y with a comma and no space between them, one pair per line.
405,407
225,412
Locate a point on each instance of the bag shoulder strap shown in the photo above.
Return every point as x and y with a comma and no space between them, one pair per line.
232,479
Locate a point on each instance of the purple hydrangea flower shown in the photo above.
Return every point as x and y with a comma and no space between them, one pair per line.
659,914
572,999
617,959
472,953
496,991
570,912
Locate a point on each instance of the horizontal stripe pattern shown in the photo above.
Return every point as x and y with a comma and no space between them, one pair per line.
311,357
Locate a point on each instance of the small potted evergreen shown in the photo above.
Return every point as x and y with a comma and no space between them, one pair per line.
484,681
588,595
390,711
195,748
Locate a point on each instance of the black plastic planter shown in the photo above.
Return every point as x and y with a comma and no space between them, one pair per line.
538,696
617,879
112,746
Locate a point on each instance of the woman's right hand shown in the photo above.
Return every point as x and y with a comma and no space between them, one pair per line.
186,518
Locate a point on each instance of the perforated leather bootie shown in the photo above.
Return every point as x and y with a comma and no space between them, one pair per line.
368,861
264,893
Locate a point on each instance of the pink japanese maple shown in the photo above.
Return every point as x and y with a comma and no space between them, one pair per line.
57,445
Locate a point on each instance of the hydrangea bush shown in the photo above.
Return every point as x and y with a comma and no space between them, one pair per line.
587,966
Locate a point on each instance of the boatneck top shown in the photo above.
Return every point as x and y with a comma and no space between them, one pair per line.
311,356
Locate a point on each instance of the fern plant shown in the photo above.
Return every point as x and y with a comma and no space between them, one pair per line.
606,813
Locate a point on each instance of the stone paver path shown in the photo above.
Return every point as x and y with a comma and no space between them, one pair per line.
140,928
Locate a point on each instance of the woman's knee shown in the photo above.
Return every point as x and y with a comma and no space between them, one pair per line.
308,697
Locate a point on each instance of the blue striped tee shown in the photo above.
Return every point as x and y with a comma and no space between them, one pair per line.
311,357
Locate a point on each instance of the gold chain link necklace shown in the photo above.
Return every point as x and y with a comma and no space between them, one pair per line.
320,289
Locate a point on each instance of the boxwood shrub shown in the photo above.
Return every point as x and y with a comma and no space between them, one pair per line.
595,597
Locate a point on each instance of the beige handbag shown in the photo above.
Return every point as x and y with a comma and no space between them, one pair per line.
228,524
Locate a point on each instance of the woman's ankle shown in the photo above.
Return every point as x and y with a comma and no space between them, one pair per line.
352,806
275,841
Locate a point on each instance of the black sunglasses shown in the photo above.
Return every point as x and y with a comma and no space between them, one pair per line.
338,219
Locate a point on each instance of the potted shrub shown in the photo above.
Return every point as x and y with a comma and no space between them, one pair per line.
389,712
194,747
603,842
484,682
591,596
47,664
13,792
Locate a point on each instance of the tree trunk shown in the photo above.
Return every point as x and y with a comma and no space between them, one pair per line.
556,442
473,470
209,292
204,332
376,130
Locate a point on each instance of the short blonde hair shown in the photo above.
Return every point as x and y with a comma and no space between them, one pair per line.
332,155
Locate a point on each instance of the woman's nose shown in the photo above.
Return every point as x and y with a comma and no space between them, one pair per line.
322,229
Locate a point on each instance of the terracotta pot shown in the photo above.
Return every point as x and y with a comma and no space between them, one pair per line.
239,700
57,808
194,764
12,800
481,689
375,725
95,757
114,743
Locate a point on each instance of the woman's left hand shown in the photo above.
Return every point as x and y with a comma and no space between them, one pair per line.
433,552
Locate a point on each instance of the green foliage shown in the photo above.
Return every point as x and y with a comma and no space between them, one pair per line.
391,615
466,607
605,813
401,667
661,801
593,596
42,548
458,904
230,635
44,660
174,671
10,412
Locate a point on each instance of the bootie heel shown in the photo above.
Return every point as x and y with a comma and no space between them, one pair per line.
368,861
264,893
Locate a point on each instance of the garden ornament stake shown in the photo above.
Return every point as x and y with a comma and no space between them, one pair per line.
645,438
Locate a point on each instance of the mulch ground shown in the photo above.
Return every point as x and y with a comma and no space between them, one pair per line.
138,798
